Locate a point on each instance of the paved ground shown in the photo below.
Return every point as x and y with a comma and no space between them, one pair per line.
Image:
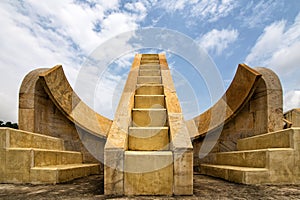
204,188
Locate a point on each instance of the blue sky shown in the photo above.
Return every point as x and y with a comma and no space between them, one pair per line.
38,34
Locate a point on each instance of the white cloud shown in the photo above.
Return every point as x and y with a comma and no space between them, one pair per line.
117,23
267,43
107,94
38,34
212,10
278,48
173,6
292,100
207,10
125,61
257,13
216,41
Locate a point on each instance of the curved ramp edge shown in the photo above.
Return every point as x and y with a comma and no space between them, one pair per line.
237,95
61,93
27,94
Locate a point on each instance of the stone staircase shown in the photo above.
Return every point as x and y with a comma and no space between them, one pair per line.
38,159
148,150
149,161
268,158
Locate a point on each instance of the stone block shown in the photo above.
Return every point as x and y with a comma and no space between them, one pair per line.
149,101
43,176
3,132
47,157
258,103
296,144
149,117
18,163
26,100
149,72
236,174
281,165
148,138
149,56
244,121
18,139
26,119
261,122
148,173
278,139
167,81
293,116
192,128
113,172
71,173
150,66
143,89
172,102
2,166
251,158
149,80
256,176
149,61
61,173
214,170
23,139
247,175
17,177
179,135
117,138
69,157
183,172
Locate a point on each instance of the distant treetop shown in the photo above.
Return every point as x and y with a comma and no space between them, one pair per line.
9,124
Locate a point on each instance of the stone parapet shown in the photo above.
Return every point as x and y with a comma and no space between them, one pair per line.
117,138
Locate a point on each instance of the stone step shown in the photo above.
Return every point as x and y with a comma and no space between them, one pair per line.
150,56
12,138
149,101
147,61
43,157
250,158
150,67
149,80
148,172
278,139
148,138
149,117
149,89
61,173
246,175
149,72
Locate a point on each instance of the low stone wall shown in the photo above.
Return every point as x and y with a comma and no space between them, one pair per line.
293,116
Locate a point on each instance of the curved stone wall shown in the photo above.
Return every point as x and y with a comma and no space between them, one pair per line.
48,105
252,105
